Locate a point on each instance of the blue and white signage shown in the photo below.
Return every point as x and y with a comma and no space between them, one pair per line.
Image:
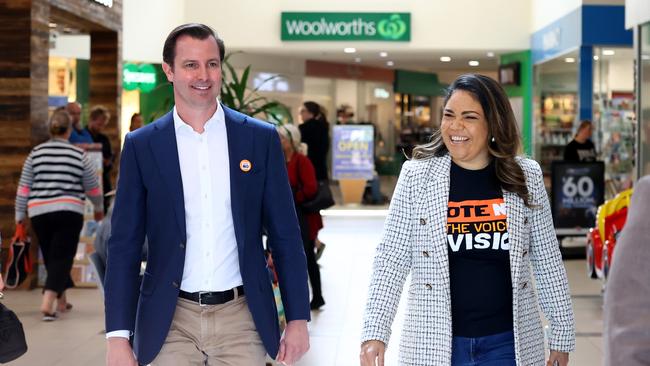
353,152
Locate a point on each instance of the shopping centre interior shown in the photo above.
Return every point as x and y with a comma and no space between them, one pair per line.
382,64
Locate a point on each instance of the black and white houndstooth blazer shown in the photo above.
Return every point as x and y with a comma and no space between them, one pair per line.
414,241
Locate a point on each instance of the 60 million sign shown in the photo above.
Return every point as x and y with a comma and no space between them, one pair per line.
577,190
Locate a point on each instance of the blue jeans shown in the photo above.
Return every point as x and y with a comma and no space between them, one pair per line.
494,350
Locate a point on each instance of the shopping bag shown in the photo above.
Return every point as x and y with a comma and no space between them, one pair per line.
19,263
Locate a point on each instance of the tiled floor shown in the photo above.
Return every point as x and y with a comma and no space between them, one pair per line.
77,338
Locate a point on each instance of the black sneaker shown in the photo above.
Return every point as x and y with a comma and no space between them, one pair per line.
48,317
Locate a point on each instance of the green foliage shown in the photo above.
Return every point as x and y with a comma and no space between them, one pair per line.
236,94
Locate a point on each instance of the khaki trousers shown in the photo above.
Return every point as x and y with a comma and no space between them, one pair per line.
213,335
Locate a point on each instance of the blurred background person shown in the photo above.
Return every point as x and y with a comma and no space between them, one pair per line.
78,134
98,119
627,297
55,180
302,179
315,132
136,122
581,148
344,115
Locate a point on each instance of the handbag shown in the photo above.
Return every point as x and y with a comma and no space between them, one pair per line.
12,335
19,263
321,201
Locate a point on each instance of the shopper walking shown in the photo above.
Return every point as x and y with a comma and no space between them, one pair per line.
627,297
581,148
98,119
315,132
78,134
199,183
302,179
55,180
467,220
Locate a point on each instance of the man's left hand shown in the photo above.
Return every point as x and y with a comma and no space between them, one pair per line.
562,359
294,343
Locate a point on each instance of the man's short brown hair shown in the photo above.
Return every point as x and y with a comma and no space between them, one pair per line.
194,30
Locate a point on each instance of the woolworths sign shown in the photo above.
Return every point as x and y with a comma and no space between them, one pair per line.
393,27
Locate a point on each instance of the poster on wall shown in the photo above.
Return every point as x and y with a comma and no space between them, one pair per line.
353,152
577,190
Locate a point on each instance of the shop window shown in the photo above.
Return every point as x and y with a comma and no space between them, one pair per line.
555,108
614,115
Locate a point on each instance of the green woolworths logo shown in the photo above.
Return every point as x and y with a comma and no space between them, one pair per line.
393,27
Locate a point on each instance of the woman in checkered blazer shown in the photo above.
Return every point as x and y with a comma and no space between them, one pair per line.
470,222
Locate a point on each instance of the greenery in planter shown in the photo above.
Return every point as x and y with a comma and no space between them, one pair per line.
236,94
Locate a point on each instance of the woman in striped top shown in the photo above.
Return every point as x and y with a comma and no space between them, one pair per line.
55,180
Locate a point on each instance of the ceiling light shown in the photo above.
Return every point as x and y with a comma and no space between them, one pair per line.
596,57
383,54
445,59
349,50
473,63
609,52
490,54
570,60
357,59
53,25
390,63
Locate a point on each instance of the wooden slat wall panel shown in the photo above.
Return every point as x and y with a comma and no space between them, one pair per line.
105,83
15,100
24,48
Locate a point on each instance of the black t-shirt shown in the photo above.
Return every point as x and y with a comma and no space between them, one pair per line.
576,151
315,133
479,249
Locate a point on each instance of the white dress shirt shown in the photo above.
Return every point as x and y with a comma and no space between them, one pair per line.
211,256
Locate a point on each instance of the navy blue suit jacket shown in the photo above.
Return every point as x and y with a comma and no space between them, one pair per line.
150,202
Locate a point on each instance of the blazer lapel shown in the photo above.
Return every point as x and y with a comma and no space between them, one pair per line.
240,149
165,152
437,196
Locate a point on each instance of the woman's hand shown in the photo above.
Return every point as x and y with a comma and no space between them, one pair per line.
371,351
562,359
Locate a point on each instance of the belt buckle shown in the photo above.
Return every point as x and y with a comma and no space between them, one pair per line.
201,297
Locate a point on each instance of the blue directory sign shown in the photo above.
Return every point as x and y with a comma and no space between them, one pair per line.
353,152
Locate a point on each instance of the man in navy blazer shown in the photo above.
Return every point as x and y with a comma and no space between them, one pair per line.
200,183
